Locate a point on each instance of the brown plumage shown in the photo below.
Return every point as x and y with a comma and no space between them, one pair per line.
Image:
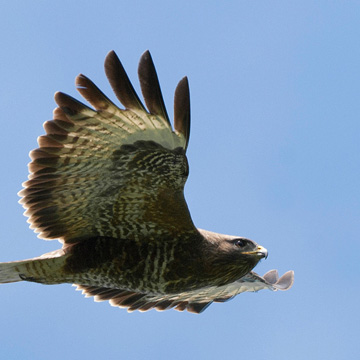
108,183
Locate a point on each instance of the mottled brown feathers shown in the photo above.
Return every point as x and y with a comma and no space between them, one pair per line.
193,301
75,186
109,183
141,302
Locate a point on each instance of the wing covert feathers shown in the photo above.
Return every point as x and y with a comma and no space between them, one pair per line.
73,177
193,301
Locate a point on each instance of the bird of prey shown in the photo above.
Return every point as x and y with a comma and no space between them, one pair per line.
109,184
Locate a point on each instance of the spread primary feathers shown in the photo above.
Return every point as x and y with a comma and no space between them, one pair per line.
108,183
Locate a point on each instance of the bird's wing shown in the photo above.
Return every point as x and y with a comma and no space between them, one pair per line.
109,171
194,301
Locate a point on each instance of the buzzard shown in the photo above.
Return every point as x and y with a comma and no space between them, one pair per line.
108,183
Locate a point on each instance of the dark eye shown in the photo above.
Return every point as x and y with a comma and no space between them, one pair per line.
240,243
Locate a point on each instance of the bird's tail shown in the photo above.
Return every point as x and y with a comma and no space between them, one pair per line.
42,269
10,271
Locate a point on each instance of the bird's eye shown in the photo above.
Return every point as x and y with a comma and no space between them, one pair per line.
240,243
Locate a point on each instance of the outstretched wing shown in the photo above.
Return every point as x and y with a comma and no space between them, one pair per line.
107,171
195,301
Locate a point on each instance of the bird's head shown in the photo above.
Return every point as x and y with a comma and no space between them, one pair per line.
242,246
240,251
233,256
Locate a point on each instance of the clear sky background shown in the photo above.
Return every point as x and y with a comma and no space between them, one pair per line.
274,156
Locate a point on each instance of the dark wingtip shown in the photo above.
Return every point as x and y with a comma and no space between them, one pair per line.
182,109
120,82
150,86
69,105
92,93
198,308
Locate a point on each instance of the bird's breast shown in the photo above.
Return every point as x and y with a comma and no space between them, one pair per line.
153,266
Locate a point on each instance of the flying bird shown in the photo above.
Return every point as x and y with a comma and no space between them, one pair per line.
108,183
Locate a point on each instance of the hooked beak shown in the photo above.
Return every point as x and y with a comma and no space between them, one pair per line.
260,251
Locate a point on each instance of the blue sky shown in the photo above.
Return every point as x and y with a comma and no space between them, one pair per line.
274,156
